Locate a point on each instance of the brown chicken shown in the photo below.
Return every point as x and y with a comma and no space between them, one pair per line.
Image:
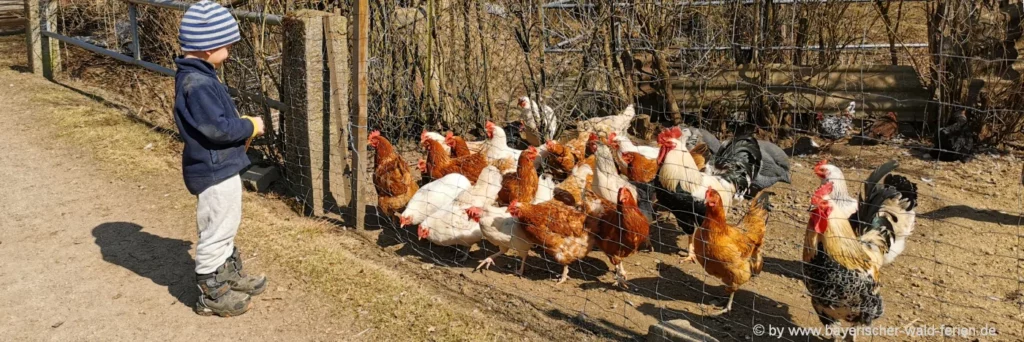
699,153
556,227
570,191
520,185
883,129
561,159
620,228
638,168
589,157
458,145
391,177
726,252
439,163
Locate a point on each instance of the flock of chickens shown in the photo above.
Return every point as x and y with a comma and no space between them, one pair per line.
601,190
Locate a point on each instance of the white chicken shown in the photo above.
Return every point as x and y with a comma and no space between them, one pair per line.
607,179
486,189
533,118
502,230
436,137
432,196
626,146
449,226
545,189
609,124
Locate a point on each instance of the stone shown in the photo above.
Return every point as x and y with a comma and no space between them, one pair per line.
678,330
259,178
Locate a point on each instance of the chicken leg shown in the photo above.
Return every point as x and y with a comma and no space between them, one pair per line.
565,275
727,306
522,265
691,257
620,276
465,253
486,263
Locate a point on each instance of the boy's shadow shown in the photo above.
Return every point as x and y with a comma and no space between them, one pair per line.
165,261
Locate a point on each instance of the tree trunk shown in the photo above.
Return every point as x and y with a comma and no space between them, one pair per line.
661,65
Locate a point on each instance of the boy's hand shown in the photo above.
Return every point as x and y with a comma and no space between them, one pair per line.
257,125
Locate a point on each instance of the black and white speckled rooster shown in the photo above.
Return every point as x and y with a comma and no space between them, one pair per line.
835,127
848,242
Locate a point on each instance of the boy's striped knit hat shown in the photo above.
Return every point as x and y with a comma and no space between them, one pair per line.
207,26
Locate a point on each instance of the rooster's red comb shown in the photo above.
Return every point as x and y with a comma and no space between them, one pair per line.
676,132
374,134
820,164
489,124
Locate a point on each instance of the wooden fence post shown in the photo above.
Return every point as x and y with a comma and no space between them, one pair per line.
314,164
33,37
361,34
50,48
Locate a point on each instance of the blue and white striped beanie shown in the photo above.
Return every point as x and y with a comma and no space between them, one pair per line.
206,26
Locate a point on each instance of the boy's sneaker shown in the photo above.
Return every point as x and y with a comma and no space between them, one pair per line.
239,280
217,298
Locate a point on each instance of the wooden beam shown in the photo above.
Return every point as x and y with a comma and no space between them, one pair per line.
360,31
33,37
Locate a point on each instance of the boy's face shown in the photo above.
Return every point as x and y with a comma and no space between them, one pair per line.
216,56
219,55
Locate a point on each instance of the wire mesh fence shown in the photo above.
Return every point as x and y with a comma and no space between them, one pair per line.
784,71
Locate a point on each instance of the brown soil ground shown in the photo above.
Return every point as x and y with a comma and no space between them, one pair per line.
96,233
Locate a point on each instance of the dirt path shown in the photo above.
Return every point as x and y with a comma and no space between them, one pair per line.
85,257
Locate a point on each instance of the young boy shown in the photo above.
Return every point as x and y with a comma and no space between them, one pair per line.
215,143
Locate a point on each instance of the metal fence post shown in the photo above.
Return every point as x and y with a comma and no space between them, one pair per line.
134,22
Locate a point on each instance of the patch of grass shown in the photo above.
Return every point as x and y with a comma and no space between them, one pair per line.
112,137
377,297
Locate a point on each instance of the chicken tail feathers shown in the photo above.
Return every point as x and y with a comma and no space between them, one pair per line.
738,162
688,211
866,218
645,199
757,217
906,188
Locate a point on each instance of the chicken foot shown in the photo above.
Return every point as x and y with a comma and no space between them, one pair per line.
620,276
565,275
691,257
486,263
727,306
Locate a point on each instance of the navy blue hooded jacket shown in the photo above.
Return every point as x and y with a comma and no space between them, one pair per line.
209,124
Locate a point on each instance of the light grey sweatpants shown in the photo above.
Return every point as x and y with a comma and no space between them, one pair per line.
218,214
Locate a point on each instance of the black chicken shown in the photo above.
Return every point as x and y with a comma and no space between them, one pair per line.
955,141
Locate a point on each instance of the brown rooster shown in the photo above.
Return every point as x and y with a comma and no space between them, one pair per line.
726,252
391,177
556,227
621,228
439,163
520,185
883,129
